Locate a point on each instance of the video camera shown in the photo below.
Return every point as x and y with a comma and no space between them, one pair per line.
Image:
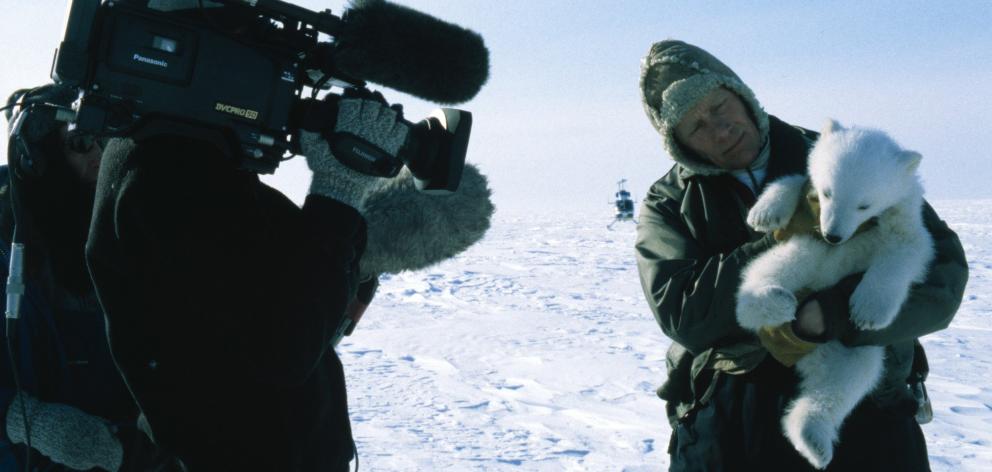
235,75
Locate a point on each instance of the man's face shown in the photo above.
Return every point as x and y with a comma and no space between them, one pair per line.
83,156
719,128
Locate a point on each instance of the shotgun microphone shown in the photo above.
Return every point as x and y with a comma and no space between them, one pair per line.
406,50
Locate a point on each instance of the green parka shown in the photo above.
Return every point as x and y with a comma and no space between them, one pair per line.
692,244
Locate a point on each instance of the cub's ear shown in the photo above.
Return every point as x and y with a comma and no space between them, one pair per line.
911,160
832,126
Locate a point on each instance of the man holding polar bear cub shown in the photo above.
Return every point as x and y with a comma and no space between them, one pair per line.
726,396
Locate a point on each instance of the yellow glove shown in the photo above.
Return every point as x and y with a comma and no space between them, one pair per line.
783,344
805,220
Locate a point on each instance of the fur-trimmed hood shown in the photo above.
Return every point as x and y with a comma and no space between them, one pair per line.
674,76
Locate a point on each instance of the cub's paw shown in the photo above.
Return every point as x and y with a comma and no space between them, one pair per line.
872,310
770,213
765,306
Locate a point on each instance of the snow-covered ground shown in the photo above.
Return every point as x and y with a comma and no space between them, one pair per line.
535,351
960,382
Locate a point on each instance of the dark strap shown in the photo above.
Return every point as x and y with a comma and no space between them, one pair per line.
921,368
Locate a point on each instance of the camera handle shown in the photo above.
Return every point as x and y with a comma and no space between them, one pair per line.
434,150
354,152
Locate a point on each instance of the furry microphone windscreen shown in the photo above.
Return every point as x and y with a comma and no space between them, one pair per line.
410,51
411,230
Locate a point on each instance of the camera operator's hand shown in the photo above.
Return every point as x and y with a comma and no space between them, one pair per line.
64,434
368,118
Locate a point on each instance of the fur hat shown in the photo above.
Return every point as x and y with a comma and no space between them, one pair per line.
676,75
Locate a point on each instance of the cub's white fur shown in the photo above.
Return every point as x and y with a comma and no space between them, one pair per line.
859,174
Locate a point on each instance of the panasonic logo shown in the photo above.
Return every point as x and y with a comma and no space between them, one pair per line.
148,60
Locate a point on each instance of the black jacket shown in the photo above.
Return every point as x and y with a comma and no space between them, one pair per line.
221,296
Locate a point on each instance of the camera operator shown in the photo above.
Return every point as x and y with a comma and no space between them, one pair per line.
223,297
73,401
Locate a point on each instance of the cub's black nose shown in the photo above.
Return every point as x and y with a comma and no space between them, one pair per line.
832,239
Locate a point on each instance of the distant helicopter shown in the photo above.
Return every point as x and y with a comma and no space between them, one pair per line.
623,204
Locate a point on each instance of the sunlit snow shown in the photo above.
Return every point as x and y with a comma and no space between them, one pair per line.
536,351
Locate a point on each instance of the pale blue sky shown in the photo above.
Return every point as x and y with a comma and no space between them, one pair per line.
560,120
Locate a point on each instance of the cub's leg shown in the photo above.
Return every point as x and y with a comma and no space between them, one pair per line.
834,379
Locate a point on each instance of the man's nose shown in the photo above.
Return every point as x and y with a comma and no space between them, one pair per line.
723,128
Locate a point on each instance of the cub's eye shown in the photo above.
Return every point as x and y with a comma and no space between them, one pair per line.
863,207
827,194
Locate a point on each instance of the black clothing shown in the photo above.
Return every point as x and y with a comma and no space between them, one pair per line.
221,296
61,344
740,430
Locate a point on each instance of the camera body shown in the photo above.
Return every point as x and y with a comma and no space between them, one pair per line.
236,84
144,72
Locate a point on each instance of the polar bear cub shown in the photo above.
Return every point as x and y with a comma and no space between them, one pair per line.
859,176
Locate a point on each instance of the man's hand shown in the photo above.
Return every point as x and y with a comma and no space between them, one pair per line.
64,434
809,320
785,342
368,119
